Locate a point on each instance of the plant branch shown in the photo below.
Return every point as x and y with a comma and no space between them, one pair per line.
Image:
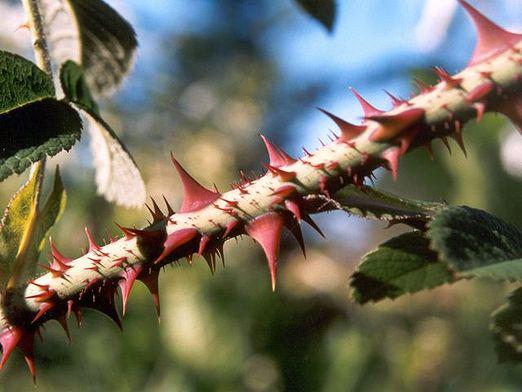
445,108
43,60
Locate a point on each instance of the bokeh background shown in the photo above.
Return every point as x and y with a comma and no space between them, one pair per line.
210,76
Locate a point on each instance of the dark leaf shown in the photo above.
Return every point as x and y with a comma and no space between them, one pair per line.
404,264
477,244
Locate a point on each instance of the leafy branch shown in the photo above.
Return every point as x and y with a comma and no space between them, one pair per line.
451,243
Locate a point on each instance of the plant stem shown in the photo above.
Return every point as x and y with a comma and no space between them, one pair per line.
43,60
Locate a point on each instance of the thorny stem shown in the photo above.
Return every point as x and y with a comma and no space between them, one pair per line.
445,108
442,105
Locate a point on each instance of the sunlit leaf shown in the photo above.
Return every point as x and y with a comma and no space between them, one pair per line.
404,264
507,328
117,176
15,221
94,35
24,228
322,10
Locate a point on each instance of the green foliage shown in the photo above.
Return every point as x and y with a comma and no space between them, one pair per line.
117,175
475,243
507,328
404,264
24,228
75,88
33,123
21,82
321,10
371,203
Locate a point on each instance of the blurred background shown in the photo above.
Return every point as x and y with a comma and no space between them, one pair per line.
209,77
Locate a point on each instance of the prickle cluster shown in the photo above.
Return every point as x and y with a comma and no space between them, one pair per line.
263,207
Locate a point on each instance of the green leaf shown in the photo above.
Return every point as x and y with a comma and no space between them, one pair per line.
94,35
21,82
371,203
477,244
14,224
28,134
72,79
24,229
117,175
321,10
507,328
33,123
404,264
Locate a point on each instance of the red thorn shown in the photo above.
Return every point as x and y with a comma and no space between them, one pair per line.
231,226
458,137
395,101
126,282
63,322
445,141
56,273
284,191
155,211
266,230
444,76
367,108
57,255
195,196
277,156
492,39
129,234
294,208
9,339
93,246
480,92
150,280
170,211
293,226
349,131
175,240
393,125
285,175
26,345
312,224
392,155
203,242
44,308
421,86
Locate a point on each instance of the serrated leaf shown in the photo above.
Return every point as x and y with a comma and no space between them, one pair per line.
371,203
477,244
33,225
94,35
21,82
33,123
28,134
506,325
322,10
404,264
117,176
